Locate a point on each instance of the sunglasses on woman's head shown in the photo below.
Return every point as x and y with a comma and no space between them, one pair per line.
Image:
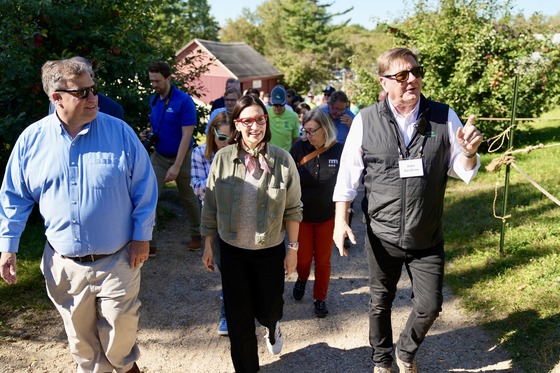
219,136
402,76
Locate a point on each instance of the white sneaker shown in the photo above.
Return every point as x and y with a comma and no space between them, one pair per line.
276,347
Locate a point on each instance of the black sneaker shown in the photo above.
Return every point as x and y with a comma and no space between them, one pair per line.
299,289
321,310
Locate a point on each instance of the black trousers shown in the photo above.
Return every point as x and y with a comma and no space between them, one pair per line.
253,286
425,269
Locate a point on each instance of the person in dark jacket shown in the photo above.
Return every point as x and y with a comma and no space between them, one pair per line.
318,158
221,101
403,148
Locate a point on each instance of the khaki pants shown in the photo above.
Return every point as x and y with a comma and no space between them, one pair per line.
99,304
189,200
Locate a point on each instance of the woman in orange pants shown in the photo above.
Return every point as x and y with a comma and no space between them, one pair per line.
318,159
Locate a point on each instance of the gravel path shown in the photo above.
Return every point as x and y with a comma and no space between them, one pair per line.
180,306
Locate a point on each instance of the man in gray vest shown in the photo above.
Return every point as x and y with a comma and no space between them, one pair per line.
404,147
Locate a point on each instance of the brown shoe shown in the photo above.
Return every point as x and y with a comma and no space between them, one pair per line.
381,370
196,243
153,251
134,369
406,367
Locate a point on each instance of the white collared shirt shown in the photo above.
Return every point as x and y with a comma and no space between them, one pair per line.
352,164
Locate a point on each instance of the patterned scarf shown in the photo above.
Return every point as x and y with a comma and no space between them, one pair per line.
251,158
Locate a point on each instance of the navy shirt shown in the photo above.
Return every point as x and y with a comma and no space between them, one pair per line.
317,178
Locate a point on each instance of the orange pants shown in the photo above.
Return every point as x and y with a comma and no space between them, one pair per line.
315,242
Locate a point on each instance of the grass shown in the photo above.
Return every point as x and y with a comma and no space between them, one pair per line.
29,293
515,296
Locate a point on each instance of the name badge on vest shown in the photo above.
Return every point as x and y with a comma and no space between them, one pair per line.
411,168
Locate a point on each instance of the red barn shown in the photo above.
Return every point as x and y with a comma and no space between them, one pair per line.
231,60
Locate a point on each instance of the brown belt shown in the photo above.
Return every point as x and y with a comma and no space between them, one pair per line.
83,259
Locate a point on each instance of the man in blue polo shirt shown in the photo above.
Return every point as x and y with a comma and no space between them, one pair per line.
173,119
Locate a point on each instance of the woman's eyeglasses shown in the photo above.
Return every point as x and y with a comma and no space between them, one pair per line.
80,93
311,132
248,122
402,76
219,136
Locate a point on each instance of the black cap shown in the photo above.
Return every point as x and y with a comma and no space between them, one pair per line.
329,90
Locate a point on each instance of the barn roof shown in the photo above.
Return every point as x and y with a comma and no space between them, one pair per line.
239,58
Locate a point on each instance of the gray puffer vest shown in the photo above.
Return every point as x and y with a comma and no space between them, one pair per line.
406,212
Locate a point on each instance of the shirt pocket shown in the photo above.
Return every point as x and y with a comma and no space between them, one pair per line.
102,171
275,207
227,199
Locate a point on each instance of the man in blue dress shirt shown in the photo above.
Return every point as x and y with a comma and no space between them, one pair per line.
97,196
106,104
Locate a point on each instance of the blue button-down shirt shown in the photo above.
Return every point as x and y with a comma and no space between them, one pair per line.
95,192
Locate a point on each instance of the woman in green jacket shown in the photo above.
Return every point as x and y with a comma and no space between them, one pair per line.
253,199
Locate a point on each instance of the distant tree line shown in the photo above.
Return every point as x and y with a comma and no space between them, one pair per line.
472,50
120,37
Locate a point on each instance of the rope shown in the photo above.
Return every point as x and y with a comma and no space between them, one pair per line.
536,185
509,119
499,137
508,158
502,218
511,161
530,148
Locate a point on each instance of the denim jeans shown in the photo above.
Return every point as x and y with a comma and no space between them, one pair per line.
425,268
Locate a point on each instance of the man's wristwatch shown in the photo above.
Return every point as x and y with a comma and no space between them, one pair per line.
293,246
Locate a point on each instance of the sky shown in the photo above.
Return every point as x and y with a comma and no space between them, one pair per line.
366,12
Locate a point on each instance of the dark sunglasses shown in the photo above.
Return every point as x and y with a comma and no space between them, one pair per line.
402,76
219,136
80,93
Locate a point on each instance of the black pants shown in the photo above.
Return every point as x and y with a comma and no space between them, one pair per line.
253,285
425,269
